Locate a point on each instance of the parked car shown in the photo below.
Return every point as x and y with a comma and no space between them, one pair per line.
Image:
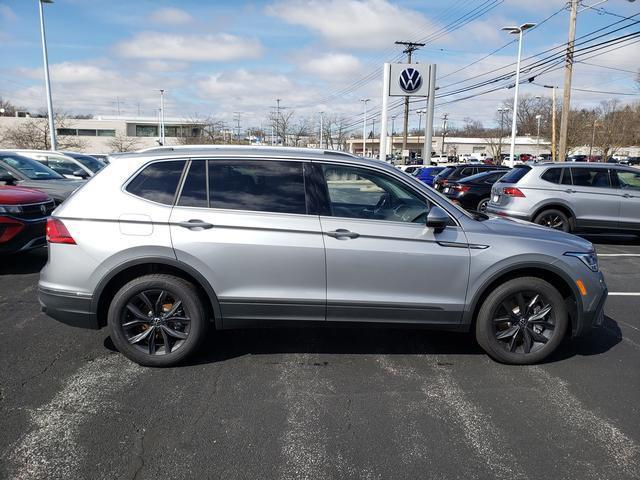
229,238
577,158
22,171
456,172
23,216
90,162
428,174
66,166
633,161
474,192
574,197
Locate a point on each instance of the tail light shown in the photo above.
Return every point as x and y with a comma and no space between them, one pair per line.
57,232
9,228
512,192
461,188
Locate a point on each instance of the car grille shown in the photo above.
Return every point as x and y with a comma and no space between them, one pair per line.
36,210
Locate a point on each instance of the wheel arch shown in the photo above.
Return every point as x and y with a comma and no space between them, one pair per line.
563,207
553,275
124,272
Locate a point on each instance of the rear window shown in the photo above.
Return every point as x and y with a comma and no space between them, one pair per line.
446,172
157,182
552,175
515,175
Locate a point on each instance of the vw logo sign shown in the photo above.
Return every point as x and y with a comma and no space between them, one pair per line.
410,80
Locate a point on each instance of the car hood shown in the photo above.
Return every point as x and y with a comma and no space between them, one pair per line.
512,227
21,196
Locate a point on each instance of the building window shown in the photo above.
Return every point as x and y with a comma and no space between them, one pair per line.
86,133
146,131
67,131
106,133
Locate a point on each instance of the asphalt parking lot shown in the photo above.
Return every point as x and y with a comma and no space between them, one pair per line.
319,403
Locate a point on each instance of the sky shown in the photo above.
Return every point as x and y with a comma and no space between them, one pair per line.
215,58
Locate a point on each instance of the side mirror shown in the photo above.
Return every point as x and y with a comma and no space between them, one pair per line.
80,173
7,178
437,219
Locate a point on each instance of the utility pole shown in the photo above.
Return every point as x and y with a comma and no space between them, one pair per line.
393,130
568,72
420,112
236,118
117,104
364,126
593,138
278,119
321,117
410,47
444,132
538,118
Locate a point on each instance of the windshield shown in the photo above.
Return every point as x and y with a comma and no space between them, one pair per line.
446,172
31,168
91,163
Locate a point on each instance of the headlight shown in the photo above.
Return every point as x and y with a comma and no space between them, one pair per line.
590,259
10,209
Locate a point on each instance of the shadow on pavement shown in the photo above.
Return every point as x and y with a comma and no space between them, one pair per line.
372,340
23,263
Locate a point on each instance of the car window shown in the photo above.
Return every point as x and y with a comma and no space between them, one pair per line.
591,177
361,193
32,169
493,178
263,185
628,180
446,172
62,166
515,175
91,163
5,173
194,190
158,182
566,177
552,175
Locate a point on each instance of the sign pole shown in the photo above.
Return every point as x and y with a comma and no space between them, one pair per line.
385,112
428,127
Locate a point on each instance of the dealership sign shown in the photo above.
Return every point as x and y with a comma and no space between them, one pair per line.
409,80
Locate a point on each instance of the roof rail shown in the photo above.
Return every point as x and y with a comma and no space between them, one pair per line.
173,148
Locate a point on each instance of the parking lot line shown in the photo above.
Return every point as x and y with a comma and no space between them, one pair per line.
619,255
625,294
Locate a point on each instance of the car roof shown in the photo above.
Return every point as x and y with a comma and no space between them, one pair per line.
571,164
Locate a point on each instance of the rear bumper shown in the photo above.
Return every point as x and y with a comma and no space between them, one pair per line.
68,307
32,236
504,212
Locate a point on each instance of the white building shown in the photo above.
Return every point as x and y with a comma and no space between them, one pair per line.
98,133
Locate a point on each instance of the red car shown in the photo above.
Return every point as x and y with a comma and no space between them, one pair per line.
23,218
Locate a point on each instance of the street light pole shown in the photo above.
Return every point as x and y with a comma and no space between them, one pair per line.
516,30
420,113
162,116
538,117
47,81
364,127
321,116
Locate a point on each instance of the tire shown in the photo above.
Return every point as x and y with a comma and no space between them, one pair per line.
494,321
177,317
555,219
482,205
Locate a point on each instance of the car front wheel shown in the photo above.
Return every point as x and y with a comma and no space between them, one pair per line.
522,321
157,320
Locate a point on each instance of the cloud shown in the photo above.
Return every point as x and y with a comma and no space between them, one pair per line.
333,67
170,16
70,72
218,47
7,14
360,24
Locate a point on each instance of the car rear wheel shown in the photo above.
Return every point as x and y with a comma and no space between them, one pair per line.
157,320
482,205
522,321
555,219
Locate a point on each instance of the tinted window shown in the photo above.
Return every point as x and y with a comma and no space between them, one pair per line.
591,177
514,175
361,193
446,172
552,175
194,191
158,181
91,163
61,165
566,177
31,168
628,180
264,185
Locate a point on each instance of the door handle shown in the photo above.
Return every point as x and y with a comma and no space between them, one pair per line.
343,233
570,190
193,224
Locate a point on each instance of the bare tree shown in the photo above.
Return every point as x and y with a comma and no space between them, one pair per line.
9,108
335,132
495,141
204,131
34,134
281,123
299,131
472,128
123,143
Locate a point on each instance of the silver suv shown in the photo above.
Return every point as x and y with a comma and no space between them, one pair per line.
162,245
571,197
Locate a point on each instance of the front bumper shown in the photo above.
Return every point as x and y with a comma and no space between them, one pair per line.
68,307
591,314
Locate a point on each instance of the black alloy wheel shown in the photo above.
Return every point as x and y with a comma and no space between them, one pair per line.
554,219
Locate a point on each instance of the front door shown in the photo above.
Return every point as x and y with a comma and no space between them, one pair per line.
629,189
251,235
383,263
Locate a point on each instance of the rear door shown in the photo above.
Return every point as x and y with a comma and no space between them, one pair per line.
247,226
594,199
383,263
629,187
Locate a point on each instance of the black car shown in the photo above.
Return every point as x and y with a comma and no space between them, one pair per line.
455,173
474,192
21,171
